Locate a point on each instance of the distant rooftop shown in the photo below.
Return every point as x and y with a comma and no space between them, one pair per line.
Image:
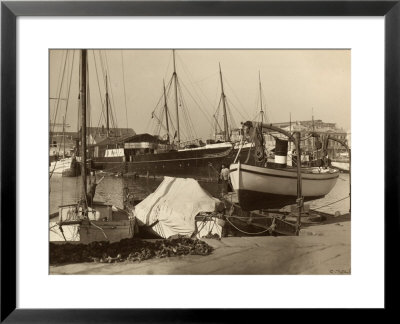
93,131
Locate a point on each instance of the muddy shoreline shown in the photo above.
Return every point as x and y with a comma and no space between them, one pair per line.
322,248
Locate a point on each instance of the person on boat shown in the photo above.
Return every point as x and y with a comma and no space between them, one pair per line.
294,158
224,176
241,132
247,126
326,161
91,193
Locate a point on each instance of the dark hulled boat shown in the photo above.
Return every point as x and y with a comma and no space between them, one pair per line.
145,154
154,159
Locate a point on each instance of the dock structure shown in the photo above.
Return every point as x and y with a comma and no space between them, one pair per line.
274,222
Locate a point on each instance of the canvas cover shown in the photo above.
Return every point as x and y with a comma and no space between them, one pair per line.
172,207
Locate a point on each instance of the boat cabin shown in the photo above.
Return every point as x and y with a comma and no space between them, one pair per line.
143,144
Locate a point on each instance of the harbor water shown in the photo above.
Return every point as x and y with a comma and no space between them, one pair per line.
65,190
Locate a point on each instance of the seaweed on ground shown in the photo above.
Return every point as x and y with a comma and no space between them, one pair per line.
129,250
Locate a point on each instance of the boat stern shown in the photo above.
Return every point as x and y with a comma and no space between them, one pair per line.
234,175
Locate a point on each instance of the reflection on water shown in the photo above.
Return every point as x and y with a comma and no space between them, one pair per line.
110,190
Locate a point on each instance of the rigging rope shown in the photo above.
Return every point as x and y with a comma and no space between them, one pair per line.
105,75
65,116
244,110
189,124
232,121
59,78
113,113
209,120
157,106
59,93
216,123
190,78
98,86
331,203
69,86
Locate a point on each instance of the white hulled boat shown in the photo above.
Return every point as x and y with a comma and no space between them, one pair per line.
262,187
268,185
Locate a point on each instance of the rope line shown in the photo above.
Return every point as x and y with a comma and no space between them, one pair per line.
268,229
332,203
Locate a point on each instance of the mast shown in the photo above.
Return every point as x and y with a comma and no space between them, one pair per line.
290,129
64,137
300,198
224,106
313,129
262,112
83,121
176,98
166,110
108,123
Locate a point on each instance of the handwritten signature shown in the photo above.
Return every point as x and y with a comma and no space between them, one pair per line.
340,271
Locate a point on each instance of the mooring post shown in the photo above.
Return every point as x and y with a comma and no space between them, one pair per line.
299,199
349,150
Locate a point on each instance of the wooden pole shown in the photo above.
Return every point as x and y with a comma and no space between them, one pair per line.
299,199
226,132
343,143
166,110
64,137
83,121
262,112
313,138
176,99
290,130
107,117
349,150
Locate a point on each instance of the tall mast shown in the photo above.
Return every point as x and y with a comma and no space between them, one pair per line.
224,106
313,129
262,112
166,110
64,137
176,98
108,123
83,119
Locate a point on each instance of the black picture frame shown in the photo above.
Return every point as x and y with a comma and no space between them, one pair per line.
10,10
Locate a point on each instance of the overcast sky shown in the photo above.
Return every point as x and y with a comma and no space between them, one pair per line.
296,82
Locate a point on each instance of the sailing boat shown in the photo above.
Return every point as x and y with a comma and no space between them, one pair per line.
274,185
67,166
87,220
147,154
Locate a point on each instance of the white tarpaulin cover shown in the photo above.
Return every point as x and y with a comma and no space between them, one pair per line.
174,204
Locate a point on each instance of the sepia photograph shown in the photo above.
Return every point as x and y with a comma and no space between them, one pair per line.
199,161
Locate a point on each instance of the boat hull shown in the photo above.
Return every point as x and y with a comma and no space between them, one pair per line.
197,163
262,188
107,223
